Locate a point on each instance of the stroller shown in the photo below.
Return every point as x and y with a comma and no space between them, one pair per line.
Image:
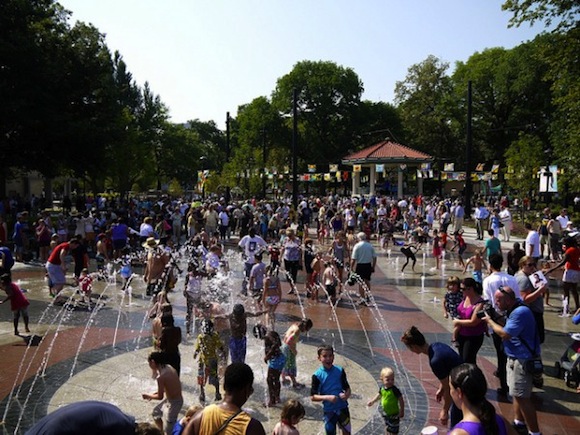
569,365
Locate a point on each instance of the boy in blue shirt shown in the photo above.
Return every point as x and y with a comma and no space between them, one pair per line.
330,386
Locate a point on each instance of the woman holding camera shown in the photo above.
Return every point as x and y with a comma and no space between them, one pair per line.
470,328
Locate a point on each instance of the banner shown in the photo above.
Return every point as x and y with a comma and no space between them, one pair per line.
286,169
380,168
356,168
495,169
549,179
449,167
327,177
333,168
479,167
425,166
311,168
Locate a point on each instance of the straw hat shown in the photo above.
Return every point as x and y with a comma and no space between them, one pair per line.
150,243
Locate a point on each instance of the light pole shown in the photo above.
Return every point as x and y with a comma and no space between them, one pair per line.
294,146
264,163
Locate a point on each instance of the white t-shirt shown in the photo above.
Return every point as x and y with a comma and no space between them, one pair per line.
251,245
492,282
533,244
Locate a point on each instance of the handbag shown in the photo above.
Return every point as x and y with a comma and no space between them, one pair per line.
534,365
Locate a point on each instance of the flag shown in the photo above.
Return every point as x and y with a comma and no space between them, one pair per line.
480,167
356,168
380,168
311,168
449,167
333,168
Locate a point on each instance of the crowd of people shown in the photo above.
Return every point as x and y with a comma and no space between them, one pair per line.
329,238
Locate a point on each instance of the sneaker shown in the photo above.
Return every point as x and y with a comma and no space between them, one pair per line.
521,429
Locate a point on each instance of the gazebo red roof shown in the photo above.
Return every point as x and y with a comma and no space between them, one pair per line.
387,152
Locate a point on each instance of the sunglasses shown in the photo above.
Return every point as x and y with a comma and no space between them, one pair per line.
505,292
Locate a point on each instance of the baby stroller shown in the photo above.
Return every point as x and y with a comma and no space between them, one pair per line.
569,365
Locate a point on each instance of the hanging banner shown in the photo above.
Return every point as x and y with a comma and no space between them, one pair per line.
345,175
311,168
495,169
380,168
286,169
449,167
338,176
549,179
356,168
333,168
419,173
479,167
425,166
327,177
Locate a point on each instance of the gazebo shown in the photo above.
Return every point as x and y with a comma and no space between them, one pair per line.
389,154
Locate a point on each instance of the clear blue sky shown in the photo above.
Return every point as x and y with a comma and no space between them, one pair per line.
207,57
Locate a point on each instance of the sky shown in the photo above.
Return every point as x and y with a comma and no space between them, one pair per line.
207,57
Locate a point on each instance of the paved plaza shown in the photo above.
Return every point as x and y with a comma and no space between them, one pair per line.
101,354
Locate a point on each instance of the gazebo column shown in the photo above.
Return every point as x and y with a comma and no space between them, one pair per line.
419,186
355,183
372,179
400,182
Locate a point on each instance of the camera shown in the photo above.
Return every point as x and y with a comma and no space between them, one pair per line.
489,310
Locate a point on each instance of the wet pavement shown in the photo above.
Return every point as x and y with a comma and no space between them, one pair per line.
101,354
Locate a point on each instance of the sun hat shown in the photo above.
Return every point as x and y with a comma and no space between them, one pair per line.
150,243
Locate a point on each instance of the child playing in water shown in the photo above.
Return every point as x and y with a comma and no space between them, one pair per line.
18,302
409,250
478,265
330,386
272,295
238,329
289,348
461,245
275,360
208,347
437,248
330,280
85,285
392,403
292,413
192,293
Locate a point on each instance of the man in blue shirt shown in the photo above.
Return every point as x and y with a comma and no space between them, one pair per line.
521,343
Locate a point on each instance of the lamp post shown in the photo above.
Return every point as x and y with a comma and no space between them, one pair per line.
264,163
294,146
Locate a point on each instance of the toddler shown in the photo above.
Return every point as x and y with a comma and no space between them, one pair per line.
292,413
392,403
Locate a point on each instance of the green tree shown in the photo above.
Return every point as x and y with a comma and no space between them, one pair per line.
524,158
509,97
560,52
328,100
423,101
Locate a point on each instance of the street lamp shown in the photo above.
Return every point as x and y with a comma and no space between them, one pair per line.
264,163
294,146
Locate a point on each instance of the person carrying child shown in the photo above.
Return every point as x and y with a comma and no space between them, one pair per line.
292,412
275,360
330,386
392,402
208,347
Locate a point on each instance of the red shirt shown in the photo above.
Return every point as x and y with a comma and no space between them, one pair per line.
17,301
55,254
573,255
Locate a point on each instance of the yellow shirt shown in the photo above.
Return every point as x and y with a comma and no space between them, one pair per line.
213,417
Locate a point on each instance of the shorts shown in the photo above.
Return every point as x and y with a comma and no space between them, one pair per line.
519,382
55,274
364,271
392,423
208,372
173,408
119,244
331,290
544,239
340,417
571,276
